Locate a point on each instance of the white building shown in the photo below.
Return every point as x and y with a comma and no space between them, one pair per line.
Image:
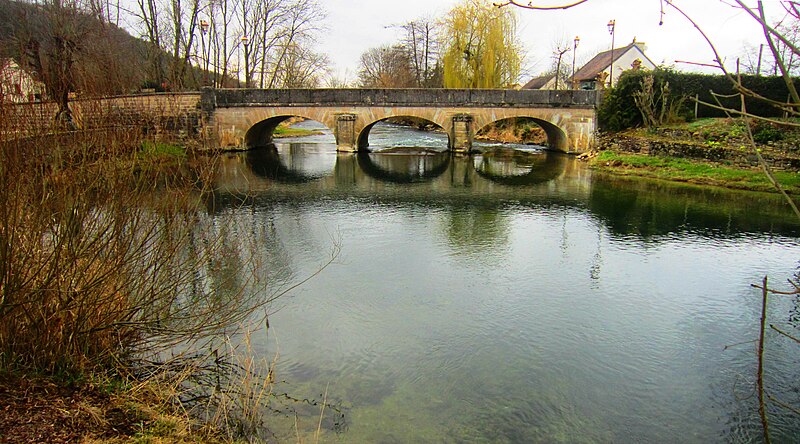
18,85
622,59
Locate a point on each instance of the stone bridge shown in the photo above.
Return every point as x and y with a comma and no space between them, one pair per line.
246,118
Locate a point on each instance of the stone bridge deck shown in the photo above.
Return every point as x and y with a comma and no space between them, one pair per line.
246,118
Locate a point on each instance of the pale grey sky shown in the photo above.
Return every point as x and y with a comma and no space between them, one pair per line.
354,26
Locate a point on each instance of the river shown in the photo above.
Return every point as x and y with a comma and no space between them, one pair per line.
509,298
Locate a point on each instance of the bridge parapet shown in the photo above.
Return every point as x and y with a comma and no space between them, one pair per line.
225,98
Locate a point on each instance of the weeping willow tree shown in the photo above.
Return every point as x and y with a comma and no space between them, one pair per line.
482,49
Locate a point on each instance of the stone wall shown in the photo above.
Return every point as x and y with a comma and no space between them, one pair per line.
723,154
175,113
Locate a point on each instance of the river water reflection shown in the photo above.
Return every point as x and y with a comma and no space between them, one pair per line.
512,297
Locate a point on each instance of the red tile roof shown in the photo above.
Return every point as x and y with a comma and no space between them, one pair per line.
602,61
538,82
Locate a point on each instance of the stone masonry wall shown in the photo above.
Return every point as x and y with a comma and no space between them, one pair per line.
175,113
695,150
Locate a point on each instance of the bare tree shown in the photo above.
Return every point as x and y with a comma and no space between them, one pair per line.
302,67
421,42
386,67
148,14
343,80
51,39
561,73
533,6
302,21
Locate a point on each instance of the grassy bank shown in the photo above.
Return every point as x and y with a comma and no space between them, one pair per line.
705,151
52,410
693,171
285,132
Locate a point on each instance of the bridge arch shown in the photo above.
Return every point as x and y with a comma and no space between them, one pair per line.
261,133
362,139
557,138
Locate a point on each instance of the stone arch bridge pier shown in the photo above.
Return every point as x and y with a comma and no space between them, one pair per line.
246,118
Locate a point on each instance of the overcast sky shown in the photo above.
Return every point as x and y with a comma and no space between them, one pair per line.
354,26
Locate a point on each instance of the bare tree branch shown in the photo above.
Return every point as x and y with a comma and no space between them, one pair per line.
530,5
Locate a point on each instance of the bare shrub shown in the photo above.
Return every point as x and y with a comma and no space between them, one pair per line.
103,253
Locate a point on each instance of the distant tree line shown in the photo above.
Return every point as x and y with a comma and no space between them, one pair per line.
474,46
78,45
249,43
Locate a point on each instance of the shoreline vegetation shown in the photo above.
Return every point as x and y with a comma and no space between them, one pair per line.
107,335
711,152
285,132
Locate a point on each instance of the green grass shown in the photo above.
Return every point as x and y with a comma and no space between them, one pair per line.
683,170
283,131
157,149
695,125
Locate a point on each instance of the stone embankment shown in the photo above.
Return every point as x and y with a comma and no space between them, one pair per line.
683,144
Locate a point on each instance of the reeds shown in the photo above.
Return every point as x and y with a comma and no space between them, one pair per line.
104,252
110,263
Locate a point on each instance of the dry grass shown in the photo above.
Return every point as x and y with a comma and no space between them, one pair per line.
111,265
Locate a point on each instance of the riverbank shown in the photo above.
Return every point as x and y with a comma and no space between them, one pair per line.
518,131
285,130
105,232
706,152
38,409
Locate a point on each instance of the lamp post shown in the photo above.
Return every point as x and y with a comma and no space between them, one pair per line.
245,41
612,24
203,31
574,49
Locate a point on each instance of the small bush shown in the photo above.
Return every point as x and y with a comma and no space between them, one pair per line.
766,132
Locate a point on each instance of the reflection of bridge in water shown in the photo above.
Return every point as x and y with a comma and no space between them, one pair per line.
498,166
441,180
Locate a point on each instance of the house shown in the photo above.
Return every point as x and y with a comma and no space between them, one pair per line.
631,56
18,85
547,81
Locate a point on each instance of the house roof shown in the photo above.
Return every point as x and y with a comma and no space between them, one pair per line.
603,60
539,82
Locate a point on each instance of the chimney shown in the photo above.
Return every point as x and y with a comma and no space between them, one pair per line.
642,47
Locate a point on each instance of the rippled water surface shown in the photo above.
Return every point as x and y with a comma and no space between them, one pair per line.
510,298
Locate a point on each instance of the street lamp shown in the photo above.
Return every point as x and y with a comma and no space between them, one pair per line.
574,49
203,31
612,24
245,40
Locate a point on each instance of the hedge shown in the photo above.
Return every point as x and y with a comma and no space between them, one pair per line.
618,110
